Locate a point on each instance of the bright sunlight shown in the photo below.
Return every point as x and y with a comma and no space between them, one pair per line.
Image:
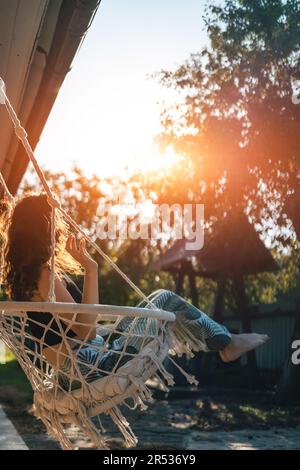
108,110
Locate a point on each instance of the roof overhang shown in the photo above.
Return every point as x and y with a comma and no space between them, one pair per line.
38,42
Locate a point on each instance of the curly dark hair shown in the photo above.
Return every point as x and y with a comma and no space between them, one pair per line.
27,246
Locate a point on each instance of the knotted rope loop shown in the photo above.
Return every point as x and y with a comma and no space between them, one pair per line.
53,201
20,132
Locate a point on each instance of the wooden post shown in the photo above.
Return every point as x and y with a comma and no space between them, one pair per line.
289,384
244,314
219,300
193,289
292,210
179,281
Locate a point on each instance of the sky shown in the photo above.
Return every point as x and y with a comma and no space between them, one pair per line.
107,111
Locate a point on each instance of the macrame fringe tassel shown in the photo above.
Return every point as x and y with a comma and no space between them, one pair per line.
118,418
140,397
189,377
182,341
53,426
78,417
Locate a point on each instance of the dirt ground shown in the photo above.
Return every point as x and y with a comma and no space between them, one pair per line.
186,419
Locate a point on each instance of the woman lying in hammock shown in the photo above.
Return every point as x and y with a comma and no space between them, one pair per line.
27,256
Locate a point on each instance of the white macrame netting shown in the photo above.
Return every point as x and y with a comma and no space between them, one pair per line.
133,345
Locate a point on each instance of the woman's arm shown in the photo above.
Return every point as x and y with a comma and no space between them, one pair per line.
90,286
90,290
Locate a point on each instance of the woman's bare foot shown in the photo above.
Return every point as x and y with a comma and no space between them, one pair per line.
241,344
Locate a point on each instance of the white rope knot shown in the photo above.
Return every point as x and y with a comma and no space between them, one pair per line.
20,132
53,201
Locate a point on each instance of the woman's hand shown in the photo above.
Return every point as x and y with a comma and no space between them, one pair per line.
80,254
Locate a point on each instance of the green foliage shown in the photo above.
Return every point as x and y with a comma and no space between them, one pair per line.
234,123
237,129
13,378
82,197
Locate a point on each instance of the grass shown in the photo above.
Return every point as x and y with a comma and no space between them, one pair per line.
5,354
14,385
8,356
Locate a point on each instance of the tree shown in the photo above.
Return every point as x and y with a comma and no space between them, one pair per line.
83,198
235,123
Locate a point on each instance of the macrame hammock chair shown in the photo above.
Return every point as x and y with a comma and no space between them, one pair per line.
59,406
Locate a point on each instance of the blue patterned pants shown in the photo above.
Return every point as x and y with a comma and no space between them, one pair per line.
95,360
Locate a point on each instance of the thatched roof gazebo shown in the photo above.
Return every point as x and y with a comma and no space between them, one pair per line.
232,250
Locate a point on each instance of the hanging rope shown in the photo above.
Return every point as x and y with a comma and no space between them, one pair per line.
51,295
11,200
73,390
53,200
8,194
